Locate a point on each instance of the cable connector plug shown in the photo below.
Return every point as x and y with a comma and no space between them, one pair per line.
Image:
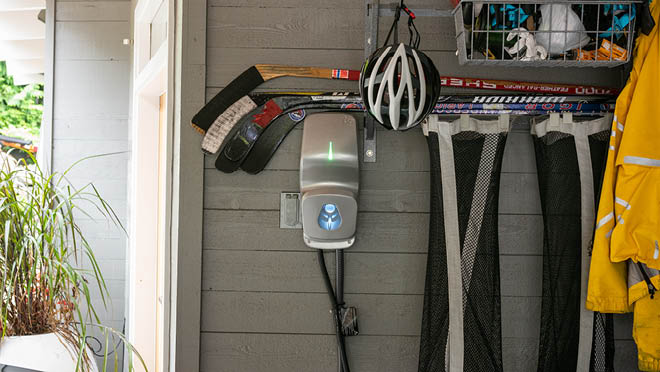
349,321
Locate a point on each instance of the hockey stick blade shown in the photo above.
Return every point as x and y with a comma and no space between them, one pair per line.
271,139
242,136
224,124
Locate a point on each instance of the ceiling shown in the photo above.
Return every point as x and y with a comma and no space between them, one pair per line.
22,39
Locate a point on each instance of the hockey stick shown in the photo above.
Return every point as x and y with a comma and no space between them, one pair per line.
258,104
234,99
528,87
282,101
250,79
242,137
270,139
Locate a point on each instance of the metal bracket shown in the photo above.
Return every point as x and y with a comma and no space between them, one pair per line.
369,139
371,31
290,211
370,46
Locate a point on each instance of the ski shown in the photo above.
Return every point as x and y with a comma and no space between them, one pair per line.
246,132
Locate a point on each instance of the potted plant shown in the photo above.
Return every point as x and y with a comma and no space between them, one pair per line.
45,294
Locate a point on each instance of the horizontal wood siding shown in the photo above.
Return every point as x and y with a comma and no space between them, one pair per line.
91,113
264,306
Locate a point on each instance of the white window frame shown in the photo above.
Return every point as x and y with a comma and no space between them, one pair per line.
149,245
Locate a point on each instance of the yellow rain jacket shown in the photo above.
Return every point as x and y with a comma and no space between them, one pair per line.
628,218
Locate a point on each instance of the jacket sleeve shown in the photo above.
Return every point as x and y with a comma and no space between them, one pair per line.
608,286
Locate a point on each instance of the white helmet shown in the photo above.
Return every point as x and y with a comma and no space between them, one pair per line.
399,86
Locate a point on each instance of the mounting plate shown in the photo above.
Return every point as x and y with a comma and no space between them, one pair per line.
290,211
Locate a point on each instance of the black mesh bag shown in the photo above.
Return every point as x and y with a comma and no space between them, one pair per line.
559,184
561,197
477,159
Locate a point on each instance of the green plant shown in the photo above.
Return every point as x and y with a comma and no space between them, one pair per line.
21,107
44,289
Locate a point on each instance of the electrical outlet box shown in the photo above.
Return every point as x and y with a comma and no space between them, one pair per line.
290,211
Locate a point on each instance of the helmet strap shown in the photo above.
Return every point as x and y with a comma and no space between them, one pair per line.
414,34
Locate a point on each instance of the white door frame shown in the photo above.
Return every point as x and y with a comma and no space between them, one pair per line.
150,190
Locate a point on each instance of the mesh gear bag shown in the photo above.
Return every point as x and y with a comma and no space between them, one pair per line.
461,325
570,158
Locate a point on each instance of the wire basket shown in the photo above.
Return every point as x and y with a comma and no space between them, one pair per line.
568,33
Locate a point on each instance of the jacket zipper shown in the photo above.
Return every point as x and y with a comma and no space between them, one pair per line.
649,284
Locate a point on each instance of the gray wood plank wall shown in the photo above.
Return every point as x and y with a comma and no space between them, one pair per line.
91,113
264,306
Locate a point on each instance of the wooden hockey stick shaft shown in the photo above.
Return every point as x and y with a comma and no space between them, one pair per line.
269,72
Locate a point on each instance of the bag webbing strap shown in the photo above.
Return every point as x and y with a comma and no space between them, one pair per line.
455,342
587,217
475,221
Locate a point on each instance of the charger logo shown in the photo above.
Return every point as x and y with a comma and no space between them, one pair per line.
329,218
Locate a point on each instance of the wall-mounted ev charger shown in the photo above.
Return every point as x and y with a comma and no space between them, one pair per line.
329,185
329,180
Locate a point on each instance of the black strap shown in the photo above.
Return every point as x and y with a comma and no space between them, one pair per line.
415,37
397,15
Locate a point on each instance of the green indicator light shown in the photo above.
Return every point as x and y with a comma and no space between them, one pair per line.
330,155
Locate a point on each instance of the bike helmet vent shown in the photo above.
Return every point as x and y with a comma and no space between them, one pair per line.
399,86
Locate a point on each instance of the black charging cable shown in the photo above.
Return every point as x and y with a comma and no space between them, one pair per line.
336,309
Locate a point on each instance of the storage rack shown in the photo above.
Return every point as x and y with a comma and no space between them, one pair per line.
481,39
374,9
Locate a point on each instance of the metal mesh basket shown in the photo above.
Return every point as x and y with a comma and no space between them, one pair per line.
566,33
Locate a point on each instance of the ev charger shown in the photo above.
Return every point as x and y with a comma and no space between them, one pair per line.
329,180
